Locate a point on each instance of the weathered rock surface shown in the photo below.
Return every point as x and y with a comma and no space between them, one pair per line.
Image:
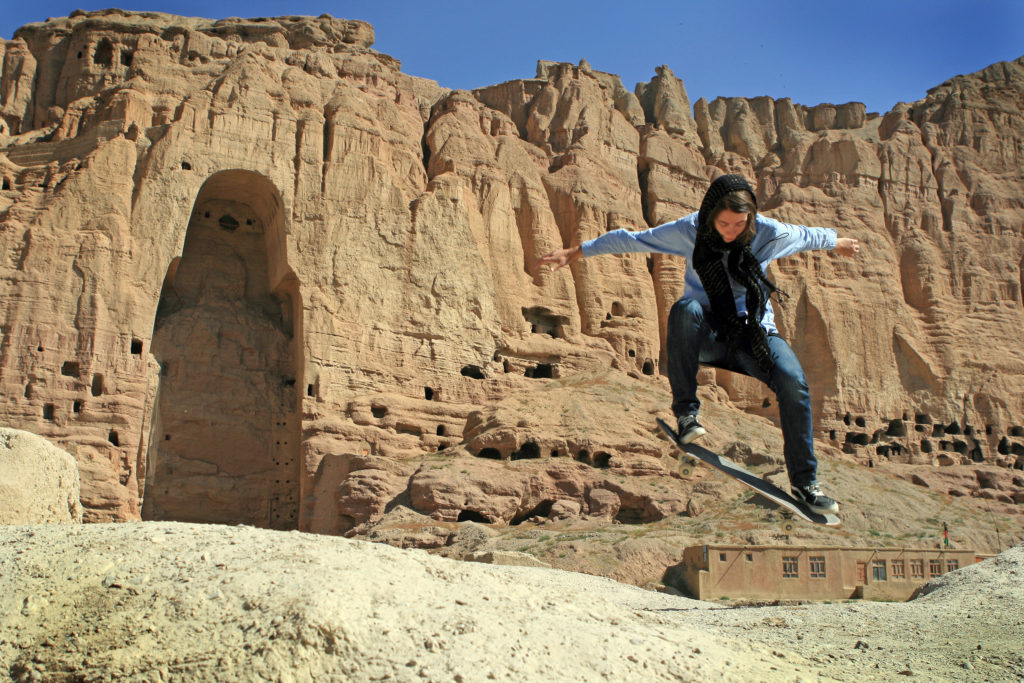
39,483
251,272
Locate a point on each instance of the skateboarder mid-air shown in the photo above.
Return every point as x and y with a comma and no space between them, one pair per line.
725,317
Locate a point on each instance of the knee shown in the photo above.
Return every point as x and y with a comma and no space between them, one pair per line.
686,312
792,386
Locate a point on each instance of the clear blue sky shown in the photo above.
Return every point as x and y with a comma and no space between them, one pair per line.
879,52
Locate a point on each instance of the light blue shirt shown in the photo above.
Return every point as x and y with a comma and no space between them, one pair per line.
774,239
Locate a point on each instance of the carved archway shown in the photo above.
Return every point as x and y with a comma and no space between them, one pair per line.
227,420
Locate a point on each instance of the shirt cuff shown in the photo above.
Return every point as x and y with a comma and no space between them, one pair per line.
830,238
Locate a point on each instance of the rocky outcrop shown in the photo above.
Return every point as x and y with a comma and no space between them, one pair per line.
252,272
39,483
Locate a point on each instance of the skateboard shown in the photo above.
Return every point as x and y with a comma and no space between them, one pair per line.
765,488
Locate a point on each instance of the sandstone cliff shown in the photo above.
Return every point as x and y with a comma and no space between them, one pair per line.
252,272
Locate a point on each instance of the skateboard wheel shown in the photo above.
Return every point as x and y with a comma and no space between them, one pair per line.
788,526
686,469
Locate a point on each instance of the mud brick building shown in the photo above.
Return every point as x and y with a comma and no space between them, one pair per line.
712,572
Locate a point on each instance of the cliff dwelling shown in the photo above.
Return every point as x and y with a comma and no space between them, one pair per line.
253,273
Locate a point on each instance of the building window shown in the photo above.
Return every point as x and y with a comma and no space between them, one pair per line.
878,570
899,569
790,568
817,567
935,567
750,557
952,565
917,569
721,557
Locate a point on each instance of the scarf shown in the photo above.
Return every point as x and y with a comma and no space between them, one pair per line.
738,333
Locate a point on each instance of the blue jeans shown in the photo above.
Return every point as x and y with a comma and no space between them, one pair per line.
692,341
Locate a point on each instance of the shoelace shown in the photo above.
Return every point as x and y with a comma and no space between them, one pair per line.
811,492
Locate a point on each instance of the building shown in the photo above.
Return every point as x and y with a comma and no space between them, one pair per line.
712,572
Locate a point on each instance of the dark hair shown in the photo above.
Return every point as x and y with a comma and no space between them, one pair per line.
739,201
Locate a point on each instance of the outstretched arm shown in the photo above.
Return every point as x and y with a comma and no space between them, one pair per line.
675,237
560,257
847,246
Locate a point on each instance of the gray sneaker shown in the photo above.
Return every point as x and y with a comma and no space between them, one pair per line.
689,429
816,500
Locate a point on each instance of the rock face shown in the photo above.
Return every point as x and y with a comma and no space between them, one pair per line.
39,483
251,272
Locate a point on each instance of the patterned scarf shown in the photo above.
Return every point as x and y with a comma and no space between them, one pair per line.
738,333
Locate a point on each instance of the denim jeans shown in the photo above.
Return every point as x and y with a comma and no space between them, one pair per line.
692,341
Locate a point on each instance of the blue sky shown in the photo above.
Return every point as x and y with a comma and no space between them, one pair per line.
879,52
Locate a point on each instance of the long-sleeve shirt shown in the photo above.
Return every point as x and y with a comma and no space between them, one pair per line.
774,239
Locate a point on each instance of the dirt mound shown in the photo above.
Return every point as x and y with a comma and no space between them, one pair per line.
145,601
997,578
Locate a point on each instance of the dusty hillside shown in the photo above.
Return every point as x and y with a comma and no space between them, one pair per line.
635,515
169,601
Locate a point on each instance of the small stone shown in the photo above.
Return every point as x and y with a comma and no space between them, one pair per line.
32,605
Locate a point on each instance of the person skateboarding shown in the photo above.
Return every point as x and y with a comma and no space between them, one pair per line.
725,317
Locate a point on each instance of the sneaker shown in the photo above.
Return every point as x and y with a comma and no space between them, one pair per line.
812,496
689,429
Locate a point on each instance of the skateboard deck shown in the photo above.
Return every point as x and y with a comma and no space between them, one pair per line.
765,488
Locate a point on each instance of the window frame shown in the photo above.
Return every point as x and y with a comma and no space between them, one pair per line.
898,569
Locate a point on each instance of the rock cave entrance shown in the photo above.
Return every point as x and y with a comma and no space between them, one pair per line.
228,337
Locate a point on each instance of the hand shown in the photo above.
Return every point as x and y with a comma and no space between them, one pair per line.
560,257
847,246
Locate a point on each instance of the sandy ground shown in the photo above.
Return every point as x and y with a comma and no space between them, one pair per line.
168,601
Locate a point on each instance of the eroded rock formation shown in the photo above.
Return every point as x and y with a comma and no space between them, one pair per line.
252,272
39,483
